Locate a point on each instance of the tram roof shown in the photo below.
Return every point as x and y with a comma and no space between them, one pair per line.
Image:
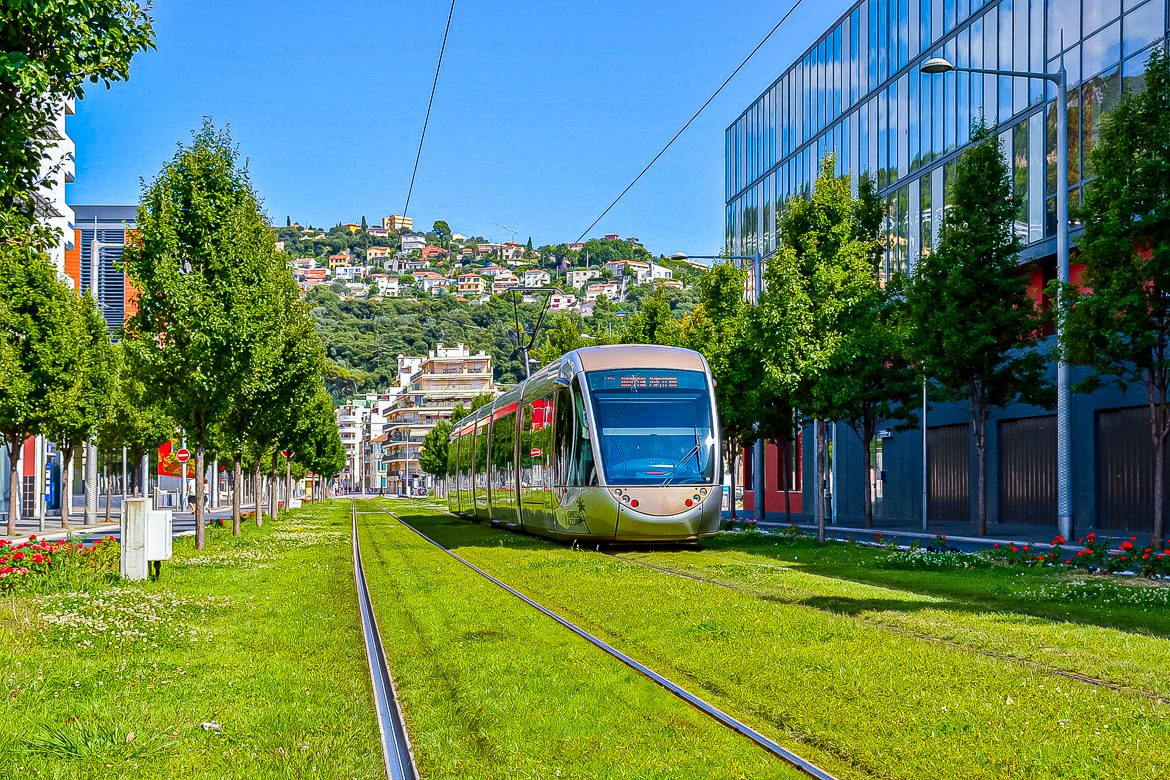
638,356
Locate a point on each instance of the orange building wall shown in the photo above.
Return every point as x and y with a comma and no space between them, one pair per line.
73,260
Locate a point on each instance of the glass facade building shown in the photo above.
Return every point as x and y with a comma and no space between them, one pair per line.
859,93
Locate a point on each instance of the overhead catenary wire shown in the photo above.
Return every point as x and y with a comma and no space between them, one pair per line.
694,116
430,102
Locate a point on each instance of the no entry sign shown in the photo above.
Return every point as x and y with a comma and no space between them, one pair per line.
286,453
183,455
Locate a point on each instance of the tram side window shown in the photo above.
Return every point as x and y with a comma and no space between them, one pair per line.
535,449
452,457
465,446
503,448
564,435
481,453
582,470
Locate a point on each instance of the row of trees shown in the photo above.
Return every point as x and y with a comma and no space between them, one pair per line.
221,339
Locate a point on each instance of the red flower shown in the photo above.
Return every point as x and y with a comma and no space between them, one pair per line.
1015,549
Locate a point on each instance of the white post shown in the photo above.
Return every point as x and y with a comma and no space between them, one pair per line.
91,484
1064,515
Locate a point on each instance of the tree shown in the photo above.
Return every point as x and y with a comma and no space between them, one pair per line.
718,328
868,379
76,414
654,324
432,458
50,48
442,229
204,252
973,327
132,421
1117,321
37,352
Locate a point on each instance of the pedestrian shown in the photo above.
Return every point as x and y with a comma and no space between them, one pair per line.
191,493
206,494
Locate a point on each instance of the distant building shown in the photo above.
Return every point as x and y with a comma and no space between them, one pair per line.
377,232
352,227
412,242
432,252
493,270
579,277
341,258
111,227
378,252
611,290
561,302
504,282
398,223
535,277
471,284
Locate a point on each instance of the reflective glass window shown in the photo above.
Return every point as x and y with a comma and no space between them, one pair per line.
948,15
883,133
963,90
1021,89
914,224
914,115
1019,167
991,62
1102,50
976,81
902,28
1100,95
936,20
937,115
1005,59
926,232
1036,172
1036,51
882,47
1133,73
924,33
950,100
854,57
902,130
1099,13
873,52
914,28
937,199
926,114
1063,16
1142,26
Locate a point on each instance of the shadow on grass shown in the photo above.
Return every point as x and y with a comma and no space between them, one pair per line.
982,591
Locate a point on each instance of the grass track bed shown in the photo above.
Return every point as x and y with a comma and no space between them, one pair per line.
491,688
1137,662
857,698
116,682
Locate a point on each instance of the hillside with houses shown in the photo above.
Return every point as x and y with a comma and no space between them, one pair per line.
362,261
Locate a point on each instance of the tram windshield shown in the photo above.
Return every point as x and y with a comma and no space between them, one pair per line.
654,426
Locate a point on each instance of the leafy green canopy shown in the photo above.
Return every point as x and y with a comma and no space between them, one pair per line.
1118,323
48,49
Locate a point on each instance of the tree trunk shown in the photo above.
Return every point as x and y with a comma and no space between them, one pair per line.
259,495
783,453
200,510
865,443
14,446
238,477
734,463
108,493
66,483
819,496
979,418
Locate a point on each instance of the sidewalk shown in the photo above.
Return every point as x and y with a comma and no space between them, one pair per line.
26,527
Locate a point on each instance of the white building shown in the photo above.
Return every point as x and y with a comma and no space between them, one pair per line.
57,170
561,302
611,290
412,242
579,277
534,277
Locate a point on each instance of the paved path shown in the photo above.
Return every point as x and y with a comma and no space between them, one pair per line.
182,523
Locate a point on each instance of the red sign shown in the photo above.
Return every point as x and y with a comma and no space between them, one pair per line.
286,453
183,455
535,452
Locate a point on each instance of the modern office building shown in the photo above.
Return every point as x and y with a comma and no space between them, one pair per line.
100,234
859,92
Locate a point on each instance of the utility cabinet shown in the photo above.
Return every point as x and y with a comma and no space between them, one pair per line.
146,536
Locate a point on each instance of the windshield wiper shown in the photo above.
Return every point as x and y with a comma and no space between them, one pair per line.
693,451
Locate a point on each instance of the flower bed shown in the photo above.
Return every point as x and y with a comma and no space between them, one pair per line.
34,562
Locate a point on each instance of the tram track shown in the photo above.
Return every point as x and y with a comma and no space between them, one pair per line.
791,758
1025,662
397,754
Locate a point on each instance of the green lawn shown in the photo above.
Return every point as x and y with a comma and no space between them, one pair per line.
493,689
824,654
257,637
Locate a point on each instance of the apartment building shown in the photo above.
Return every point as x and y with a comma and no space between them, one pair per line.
397,223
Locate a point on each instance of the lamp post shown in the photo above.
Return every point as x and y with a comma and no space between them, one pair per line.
938,65
757,261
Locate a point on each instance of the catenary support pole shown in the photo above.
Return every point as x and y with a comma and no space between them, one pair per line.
925,465
91,484
1064,514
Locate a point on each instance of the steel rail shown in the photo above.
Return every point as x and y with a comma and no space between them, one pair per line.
396,751
781,752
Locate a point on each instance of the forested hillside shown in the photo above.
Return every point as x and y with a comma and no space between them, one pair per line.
363,338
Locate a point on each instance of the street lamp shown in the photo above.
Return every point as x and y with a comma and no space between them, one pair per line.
937,65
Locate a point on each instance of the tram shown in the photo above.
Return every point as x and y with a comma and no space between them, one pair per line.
607,444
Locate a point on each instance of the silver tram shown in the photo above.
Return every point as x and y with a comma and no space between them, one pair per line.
611,443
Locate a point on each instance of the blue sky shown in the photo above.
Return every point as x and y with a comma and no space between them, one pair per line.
544,110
